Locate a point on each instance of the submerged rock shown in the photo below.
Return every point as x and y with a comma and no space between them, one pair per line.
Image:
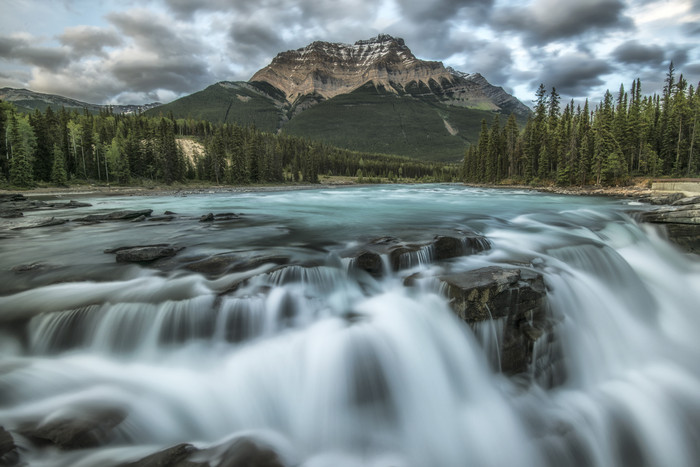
143,253
146,254
36,222
241,452
85,431
8,449
115,216
517,296
207,217
175,456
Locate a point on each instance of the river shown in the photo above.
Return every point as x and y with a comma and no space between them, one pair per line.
330,367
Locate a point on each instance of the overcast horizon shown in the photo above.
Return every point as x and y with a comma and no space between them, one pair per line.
129,52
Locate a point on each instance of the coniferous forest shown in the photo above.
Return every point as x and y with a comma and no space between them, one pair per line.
630,135
61,147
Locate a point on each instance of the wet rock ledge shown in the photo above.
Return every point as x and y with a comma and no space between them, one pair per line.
680,217
516,296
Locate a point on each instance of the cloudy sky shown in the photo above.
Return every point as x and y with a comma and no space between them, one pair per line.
124,51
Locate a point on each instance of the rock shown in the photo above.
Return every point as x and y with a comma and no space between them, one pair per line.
115,216
516,295
115,250
10,213
664,199
175,456
207,218
244,453
8,449
407,255
368,261
687,201
85,431
139,219
161,218
69,205
36,222
145,254
226,216
681,222
169,213
38,266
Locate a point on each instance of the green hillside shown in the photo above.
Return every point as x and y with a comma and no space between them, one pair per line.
375,120
406,122
229,102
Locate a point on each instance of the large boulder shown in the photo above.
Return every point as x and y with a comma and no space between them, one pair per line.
76,432
517,296
681,221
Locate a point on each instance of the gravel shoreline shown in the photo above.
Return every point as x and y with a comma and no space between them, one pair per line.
49,193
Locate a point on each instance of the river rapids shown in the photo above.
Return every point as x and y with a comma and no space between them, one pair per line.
325,365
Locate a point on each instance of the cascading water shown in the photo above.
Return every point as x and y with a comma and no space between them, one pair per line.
331,366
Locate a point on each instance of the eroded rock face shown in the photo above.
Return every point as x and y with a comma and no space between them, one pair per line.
681,220
517,296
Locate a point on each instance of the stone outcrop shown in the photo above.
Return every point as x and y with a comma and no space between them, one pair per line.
517,296
681,220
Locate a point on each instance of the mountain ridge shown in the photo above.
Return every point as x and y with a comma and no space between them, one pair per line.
30,100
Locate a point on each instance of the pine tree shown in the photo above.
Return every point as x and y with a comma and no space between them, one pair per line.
59,177
20,166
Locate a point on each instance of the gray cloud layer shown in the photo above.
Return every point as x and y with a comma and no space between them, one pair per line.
172,47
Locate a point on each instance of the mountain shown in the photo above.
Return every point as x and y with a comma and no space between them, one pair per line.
374,95
28,101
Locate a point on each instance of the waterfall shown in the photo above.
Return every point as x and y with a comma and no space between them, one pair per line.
334,366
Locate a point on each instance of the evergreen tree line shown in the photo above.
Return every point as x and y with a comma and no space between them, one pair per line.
632,135
63,147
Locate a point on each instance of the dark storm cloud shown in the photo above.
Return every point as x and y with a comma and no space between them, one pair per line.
679,56
544,21
573,75
50,58
634,52
89,40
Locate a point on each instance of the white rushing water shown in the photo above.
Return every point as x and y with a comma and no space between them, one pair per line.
333,367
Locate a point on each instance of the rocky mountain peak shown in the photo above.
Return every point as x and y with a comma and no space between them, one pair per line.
328,69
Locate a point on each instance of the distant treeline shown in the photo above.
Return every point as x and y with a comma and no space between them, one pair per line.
632,135
62,147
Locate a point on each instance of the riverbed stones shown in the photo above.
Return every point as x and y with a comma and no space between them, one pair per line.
515,295
34,222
